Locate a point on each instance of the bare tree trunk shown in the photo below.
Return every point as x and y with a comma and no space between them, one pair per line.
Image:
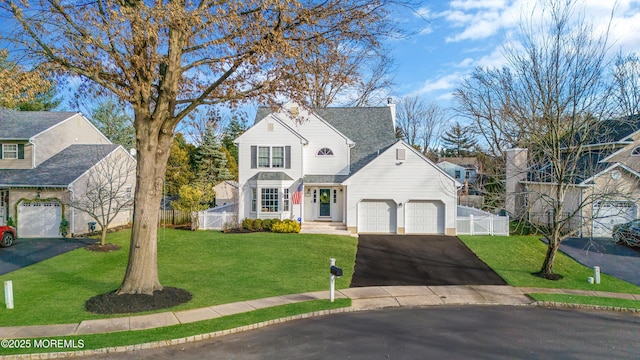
103,235
141,276
547,266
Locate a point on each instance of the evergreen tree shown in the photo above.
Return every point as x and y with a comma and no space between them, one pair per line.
458,141
237,126
115,124
181,165
211,160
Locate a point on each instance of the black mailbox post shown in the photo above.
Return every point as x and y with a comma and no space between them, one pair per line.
336,271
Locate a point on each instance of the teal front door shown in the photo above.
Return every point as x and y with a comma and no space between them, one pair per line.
325,202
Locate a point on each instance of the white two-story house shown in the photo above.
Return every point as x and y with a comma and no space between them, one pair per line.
47,160
346,166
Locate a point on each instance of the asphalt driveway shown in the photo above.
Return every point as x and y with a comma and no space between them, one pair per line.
614,259
391,260
25,252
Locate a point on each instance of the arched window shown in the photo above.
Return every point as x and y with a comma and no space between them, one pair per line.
636,151
325,152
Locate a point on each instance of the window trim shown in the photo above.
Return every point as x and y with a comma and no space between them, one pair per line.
325,152
635,151
281,159
285,200
262,157
5,151
269,200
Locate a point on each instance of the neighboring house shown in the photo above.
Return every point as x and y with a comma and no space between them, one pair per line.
226,193
606,185
342,165
45,161
461,168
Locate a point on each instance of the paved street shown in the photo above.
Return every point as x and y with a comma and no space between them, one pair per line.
445,332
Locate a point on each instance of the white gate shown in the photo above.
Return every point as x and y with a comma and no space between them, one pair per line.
472,221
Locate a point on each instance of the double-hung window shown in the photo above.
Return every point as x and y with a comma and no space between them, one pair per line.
9,151
277,157
264,156
285,200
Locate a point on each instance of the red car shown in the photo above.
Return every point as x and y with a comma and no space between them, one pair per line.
7,235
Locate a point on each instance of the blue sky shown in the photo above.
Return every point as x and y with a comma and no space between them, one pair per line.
463,34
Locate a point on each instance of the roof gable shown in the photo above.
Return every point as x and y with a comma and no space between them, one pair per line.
22,125
61,169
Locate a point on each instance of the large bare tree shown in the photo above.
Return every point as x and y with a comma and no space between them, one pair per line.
421,123
549,98
626,85
167,58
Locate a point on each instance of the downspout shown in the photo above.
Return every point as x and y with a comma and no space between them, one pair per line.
73,211
33,153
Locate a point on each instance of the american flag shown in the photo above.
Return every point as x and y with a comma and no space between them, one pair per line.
297,196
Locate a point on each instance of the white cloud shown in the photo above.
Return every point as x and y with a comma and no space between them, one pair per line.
443,83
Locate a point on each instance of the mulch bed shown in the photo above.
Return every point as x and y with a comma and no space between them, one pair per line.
432,260
111,303
102,248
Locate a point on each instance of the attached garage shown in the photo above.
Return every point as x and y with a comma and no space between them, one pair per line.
39,219
377,216
609,213
424,217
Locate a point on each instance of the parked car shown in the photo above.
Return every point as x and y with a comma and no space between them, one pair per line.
627,233
7,235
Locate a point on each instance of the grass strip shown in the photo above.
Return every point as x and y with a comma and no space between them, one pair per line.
515,258
124,338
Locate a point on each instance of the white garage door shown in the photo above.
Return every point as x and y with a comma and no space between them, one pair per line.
377,216
607,214
424,217
39,219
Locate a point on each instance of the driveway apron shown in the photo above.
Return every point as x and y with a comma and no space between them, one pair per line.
25,252
613,259
391,260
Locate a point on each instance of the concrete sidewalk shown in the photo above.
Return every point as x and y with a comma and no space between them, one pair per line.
363,298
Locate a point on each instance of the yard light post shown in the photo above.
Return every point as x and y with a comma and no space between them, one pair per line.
8,294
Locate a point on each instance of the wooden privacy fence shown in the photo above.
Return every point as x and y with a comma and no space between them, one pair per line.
174,217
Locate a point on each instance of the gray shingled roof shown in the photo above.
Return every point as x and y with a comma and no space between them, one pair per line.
22,125
60,170
324,179
268,175
371,129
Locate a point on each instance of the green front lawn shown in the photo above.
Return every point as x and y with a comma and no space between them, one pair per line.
515,258
216,268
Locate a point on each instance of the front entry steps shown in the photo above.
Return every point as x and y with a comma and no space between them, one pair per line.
324,227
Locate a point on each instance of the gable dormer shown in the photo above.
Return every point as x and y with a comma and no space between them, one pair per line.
29,138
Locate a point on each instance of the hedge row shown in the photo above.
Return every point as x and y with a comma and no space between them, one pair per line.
273,225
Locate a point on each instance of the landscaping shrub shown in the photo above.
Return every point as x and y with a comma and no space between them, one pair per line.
272,225
257,225
266,224
286,226
247,224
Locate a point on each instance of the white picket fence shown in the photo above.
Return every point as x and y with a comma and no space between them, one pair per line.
471,221
217,218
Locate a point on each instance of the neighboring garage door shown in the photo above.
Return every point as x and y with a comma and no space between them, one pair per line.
609,213
424,217
377,216
39,219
